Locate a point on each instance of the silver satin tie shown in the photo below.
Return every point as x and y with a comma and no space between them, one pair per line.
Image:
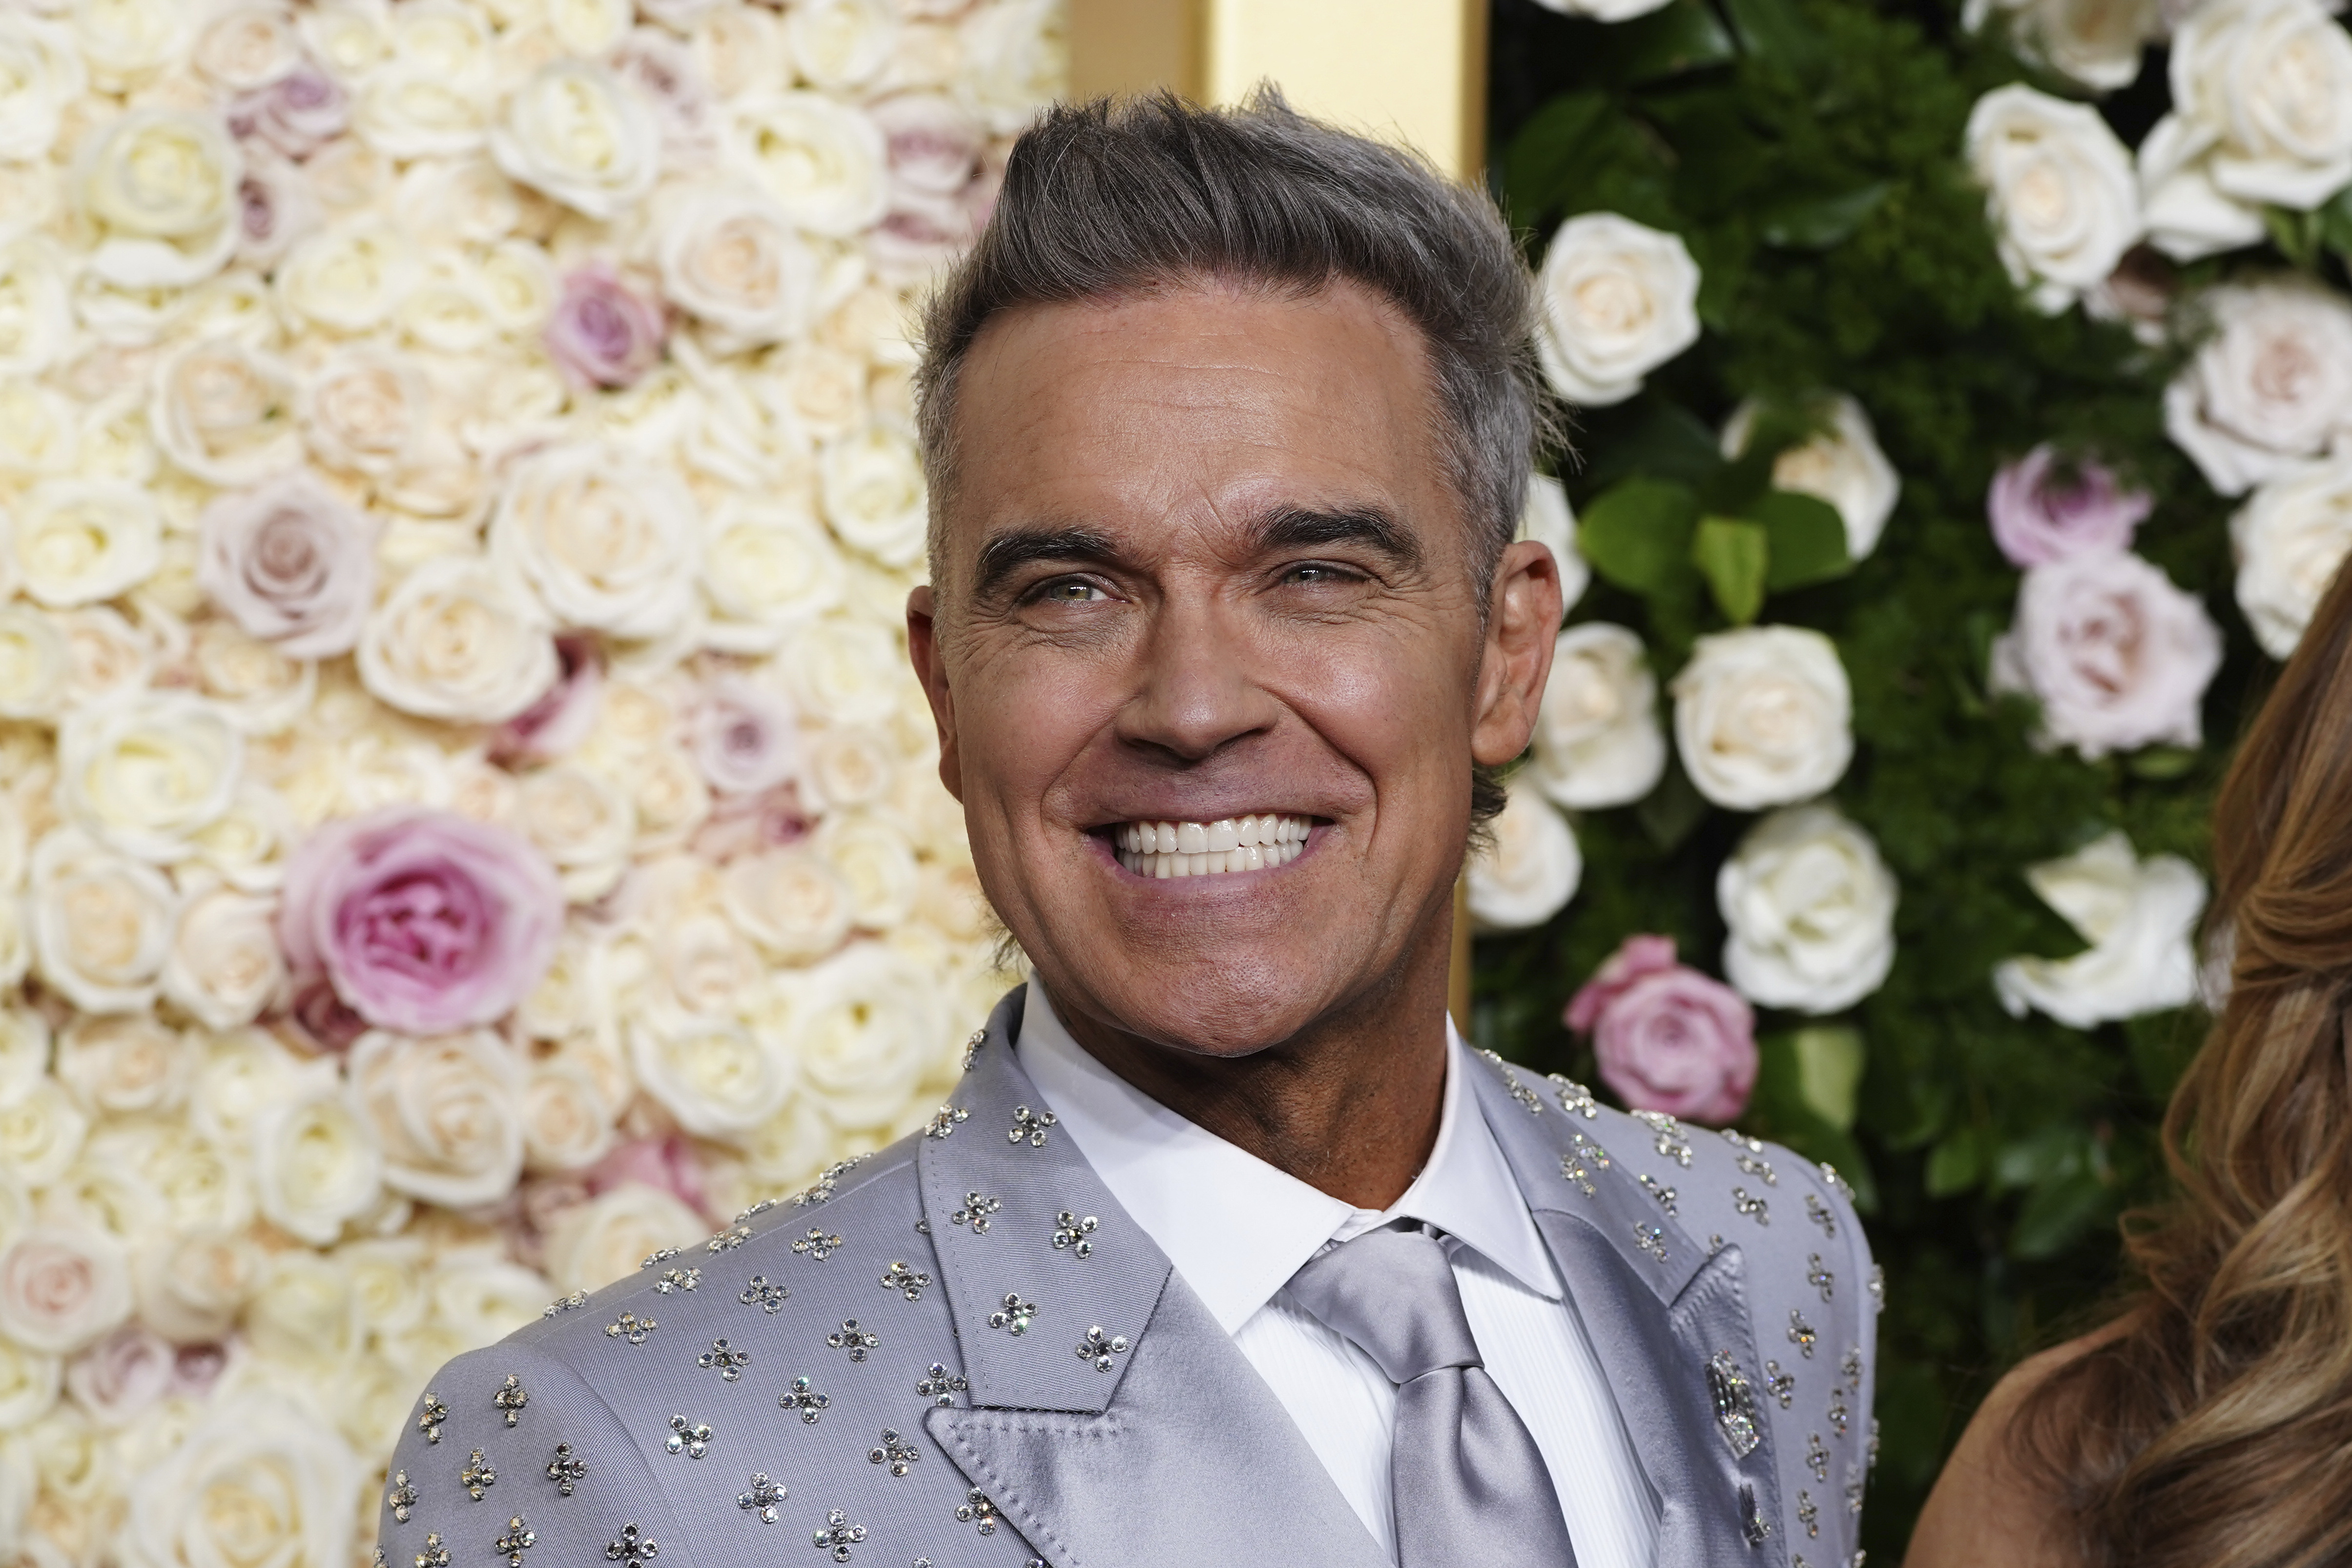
1469,1485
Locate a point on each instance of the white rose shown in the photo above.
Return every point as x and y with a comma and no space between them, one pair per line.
29,1382
413,109
122,1064
103,923
875,863
61,1289
465,199
41,1132
24,1050
1598,741
242,1074
224,967
583,822
1809,908
447,1112
1763,716
316,1162
149,772
766,569
843,670
840,44
2267,86
254,684
1530,869
1842,465
740,49
2140,919
248,45
479,1296
2117,656
348,278
185,1182
225,412
39,427
1619,301
2290,539
593,1244
1016,56
40,76
567,1123
161,183
77,542
36,313
112,659
717,1077
350,38
191,1286
874,495
458,639
821,161
732,260
849,767
868,1026
1547,519
790,901
36,662
2272,384
2098,43
388,1281
365,410
588,27
258,1474
1603,10
2060,190
577,135
129,42
246,845
608,542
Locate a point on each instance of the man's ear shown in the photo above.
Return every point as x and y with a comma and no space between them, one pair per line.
931,668
1523,617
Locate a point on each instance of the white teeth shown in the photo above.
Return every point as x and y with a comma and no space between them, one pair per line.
1257,842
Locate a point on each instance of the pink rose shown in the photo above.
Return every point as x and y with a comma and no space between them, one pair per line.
275,208
747,824
2118,657
666,1164
933,144
560,721
664,72
424,921
745,738
124,1373
298,113
1668,1037
2043,510
601,333
290,563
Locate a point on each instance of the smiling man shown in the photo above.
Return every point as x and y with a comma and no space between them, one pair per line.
1225,1248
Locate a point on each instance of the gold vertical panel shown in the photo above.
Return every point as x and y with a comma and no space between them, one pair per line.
1134,46
1405,70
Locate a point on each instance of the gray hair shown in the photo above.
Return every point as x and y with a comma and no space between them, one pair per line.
1118,196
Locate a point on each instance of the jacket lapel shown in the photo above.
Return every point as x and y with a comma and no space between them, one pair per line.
1157,1441
1657,1305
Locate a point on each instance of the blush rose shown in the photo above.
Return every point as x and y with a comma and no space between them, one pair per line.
1668,1039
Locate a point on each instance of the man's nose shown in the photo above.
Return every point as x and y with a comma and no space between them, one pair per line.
1195,692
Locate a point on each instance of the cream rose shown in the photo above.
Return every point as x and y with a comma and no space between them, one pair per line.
123,1064
161,184
2290,540
248,45
41,76
822,162
2140,919
103,923
36,323
365,410
1763,716
868,1026
719,1078
593,1244
254,684
1841,464
1603,10
732,260
191,1286
1619,301
1598,741
62,1289
584,823
790,901
579,136
2267,85
147,774
411,109
77,542
226,412
349,278
1547,519
2271,385
317,1161
258,1479
608,542
239,1076
840,44
458,639
446,1111
2098,43
1016,56
1529,868
224,967
876,862
843,670
567,1123
2060,190
766,569
479,1296
874,495
1809,908
36,662
41,1132
130,42
29,1382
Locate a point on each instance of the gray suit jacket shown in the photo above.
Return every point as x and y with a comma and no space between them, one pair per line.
961,1349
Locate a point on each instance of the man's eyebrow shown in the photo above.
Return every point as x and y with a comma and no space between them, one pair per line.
1307,528
1009,552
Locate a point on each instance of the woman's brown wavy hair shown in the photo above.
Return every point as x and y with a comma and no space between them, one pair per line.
2213,1426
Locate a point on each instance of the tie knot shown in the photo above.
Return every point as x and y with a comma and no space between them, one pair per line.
1391,1291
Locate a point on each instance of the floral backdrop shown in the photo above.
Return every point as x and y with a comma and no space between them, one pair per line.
465,819
1963,430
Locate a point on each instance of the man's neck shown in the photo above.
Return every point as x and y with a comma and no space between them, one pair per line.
1350,1105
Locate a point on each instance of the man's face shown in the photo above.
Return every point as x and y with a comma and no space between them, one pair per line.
1201,568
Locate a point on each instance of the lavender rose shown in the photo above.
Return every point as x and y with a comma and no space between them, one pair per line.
423,921
291,564
745,737
2117,656
298,113
601,333
2044,509
1668,1037
561,719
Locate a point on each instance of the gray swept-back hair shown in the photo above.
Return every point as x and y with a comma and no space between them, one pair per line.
1117,196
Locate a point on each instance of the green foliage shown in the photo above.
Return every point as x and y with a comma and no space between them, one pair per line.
1808,153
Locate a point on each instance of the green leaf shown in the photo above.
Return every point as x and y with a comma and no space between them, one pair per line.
2161,762
1817,222
2055,1213
1664,440
1777,32
1955,1164
1670,813
1808,540
2335,223
1829,1060
1683,36
1733,556
2296,234
1551,149
1638,535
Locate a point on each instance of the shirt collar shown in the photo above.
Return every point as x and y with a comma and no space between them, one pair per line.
1238,1228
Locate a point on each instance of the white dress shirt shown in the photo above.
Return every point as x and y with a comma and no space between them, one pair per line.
1237,1228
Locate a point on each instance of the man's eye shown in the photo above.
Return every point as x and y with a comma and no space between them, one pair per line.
1314,574
1071,591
